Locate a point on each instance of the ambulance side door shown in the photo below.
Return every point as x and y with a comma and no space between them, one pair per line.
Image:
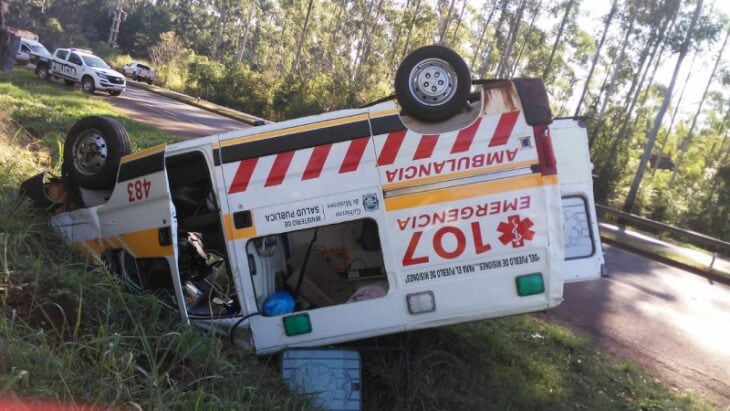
583,253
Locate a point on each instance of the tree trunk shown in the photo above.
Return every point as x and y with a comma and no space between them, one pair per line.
557,39
244,37
444,26
488,55
516,62
458,24
690,134
396,39
511,38
410,29
478,48
367,45
336,28
614,74
634,90
302,36
611,13
633,190
675,112
219,30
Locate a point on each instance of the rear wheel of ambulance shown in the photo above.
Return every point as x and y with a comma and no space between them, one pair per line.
432,83
93,151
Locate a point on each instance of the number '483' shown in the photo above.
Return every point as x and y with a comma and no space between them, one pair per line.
139,190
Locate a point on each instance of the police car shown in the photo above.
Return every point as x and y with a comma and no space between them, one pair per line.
456,201
83,67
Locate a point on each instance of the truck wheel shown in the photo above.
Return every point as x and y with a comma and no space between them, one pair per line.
92,152
87,84
115,93
42,72
432,83
149,82
69,83
135,77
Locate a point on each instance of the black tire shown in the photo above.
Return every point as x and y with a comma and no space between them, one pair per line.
115,93
149,82
135,77
41,71
69,83
92,152
87,84
432,83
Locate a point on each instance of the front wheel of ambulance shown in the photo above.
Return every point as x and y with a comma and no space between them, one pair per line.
432,83
92,152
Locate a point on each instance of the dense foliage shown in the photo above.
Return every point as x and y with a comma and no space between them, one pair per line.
281,58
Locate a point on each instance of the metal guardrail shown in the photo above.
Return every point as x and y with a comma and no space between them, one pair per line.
687,234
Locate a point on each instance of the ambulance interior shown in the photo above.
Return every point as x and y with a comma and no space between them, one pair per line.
317,267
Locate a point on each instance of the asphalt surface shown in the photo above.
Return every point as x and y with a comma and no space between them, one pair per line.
674,323
170,115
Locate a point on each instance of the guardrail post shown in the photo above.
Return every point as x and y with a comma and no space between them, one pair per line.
712,262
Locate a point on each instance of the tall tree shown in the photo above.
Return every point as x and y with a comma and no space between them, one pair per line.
511,38
302,36
607,25
483,32
558,37
690,134
445,22
633,190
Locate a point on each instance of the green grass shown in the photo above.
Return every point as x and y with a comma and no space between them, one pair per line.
69,333
510,363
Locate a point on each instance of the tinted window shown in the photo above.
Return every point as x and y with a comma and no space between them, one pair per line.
62,54
142,66
75,59
93,61
24,48
39,49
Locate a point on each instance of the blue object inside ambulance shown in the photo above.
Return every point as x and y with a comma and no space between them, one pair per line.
281,302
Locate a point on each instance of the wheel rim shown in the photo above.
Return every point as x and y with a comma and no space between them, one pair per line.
87,85
90,152
42,73
433,82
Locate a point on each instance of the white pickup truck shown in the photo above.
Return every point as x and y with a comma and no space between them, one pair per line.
81,66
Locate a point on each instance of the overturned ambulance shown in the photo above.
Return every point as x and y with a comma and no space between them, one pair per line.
465,201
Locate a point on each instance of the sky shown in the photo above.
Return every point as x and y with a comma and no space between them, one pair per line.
592,13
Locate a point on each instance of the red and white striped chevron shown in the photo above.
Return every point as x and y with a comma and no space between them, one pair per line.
490,136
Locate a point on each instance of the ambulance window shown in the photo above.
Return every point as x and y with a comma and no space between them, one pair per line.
344,265
578,236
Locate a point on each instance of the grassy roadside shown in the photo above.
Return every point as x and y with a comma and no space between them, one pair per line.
69,333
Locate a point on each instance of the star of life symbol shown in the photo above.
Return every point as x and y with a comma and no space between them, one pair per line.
516,231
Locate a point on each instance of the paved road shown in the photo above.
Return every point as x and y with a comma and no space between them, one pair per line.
674,323
171,115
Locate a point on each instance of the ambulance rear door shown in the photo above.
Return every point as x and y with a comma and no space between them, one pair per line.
583,253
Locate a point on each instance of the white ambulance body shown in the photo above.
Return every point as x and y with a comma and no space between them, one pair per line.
358,222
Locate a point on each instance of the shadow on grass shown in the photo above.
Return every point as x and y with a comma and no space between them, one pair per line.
510,363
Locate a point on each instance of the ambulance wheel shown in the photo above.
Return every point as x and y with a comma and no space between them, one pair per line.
432,83
92,152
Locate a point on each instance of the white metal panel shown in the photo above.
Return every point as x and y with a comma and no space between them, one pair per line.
584,255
